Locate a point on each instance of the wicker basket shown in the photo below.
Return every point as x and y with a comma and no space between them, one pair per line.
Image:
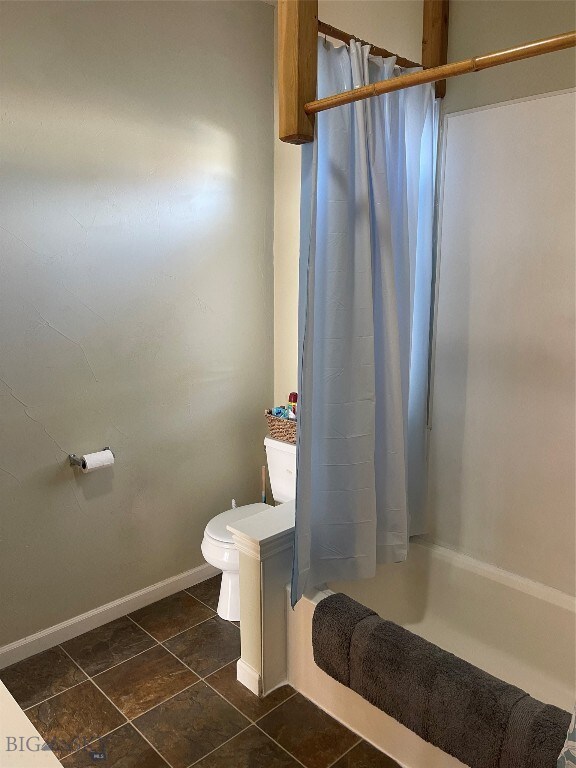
281,429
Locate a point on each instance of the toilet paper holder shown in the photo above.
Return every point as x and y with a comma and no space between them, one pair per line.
76,461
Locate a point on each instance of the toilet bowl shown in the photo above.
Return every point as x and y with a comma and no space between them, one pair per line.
218,547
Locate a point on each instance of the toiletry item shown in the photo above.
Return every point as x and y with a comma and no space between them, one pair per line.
292,402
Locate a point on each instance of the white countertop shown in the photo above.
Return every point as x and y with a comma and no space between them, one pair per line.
266,525
20,743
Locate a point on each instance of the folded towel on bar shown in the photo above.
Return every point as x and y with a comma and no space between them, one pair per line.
448,702
534,736
479,719
333,625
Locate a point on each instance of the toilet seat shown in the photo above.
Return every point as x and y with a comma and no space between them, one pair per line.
217,527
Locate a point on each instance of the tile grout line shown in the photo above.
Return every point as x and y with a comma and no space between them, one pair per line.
280,745
165,759
94,684
53,695
276,707
120,662
197,598
171,636
140,714
127,720
330,765
131,719
84,672
221,745
233,623
235,707
93,677
346,752
93,741
202,677
173,654
205,677
250,721
251,725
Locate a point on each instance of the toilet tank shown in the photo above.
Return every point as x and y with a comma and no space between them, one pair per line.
281,469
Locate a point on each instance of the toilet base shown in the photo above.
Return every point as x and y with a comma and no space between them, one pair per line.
229,600
224,555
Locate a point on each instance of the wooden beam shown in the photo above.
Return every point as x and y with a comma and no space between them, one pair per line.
297,68
525,51
435,38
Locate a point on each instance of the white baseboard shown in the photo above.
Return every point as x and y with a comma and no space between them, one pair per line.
59,633
248,676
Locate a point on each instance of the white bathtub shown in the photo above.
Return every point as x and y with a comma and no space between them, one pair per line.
516,629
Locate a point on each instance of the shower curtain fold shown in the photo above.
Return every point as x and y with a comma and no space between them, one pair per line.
364,321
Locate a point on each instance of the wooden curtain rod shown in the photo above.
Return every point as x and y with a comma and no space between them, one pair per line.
535,48
338,34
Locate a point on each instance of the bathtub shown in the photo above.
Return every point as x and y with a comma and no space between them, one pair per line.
514,628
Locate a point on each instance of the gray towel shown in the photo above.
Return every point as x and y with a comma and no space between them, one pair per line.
444,699
333,624
477,718
535,735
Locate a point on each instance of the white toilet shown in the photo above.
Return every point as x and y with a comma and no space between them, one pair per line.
217,546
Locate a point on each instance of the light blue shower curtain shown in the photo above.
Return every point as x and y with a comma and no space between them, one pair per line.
364,322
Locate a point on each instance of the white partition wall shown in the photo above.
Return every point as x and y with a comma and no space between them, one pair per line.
502,440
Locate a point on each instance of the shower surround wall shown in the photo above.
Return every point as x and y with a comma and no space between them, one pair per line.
136,293
502,447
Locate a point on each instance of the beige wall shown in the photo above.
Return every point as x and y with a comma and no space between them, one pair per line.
135,290
482,26
393,24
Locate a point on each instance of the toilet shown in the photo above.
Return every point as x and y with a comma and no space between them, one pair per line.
217,546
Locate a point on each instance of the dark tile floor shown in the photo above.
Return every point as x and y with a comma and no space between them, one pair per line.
158,689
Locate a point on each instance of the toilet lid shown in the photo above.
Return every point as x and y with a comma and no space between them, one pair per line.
216,528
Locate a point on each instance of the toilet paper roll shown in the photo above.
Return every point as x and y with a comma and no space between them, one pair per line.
92,461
